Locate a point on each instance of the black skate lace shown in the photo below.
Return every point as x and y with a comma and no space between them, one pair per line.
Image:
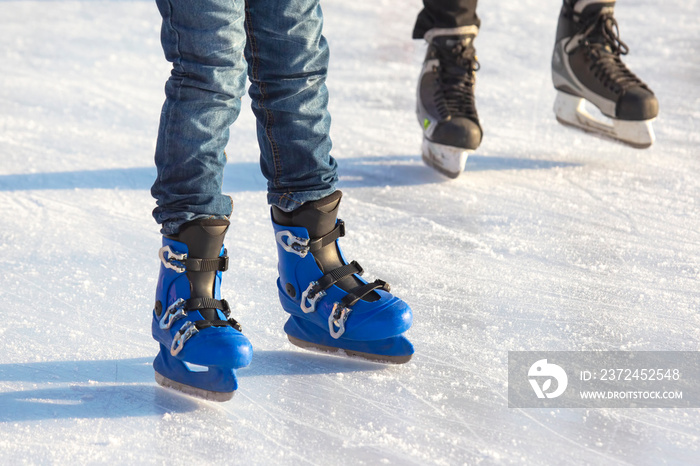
454,95
602,43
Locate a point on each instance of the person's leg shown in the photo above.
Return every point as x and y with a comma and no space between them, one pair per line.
287,67
331,306
445,104
204,40
445,14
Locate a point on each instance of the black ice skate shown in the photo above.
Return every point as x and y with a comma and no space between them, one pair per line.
587,65
445,99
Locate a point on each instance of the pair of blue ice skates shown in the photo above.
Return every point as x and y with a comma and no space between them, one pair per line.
331,307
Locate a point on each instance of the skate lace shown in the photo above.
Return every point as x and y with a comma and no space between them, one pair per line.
602,43
454,95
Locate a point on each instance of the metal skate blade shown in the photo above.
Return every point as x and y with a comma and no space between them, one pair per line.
193,391
571,111
448,160
340,352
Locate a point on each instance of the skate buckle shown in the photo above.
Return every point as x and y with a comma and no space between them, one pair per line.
337,318
174,312
174,259
184,334
298,246
312,300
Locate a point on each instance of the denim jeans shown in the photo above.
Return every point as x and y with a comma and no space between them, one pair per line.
211,45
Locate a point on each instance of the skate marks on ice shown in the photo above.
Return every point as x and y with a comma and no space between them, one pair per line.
91,402
125,387
84,390
398,170
116,178
477,163
276,363
240,176
409,170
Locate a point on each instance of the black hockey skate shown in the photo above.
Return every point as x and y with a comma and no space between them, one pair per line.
587,66
445,99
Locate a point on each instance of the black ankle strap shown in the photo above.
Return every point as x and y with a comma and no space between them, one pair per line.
207,265
334,276
315,244
361,291
181,262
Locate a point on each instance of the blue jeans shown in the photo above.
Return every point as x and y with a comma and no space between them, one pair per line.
211,44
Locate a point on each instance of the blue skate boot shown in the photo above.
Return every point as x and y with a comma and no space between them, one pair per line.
201,345
332,308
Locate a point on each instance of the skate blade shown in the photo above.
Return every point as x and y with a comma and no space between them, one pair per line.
571,111
341,352
448,160
193,391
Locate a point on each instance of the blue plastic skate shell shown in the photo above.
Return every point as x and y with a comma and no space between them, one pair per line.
307,335
370,326
216,351
211,383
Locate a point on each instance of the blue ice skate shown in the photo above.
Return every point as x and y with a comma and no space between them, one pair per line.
332,308
201,345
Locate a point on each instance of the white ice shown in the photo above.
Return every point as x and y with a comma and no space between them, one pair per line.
551,240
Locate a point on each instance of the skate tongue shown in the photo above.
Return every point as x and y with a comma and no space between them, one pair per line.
602,36
457,54
204,238
464,40
450,42
587,8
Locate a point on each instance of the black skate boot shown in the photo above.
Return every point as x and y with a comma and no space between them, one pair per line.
587,65
445,99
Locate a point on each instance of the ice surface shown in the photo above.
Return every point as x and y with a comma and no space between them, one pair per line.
552,240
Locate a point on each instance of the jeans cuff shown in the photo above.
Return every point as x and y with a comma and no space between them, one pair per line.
291,201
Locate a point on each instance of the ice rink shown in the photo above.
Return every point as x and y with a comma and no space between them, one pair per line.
551,240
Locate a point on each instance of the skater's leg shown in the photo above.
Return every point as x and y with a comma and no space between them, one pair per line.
331,306
587,65
445,14
200,343
204,40
287,67
445,104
